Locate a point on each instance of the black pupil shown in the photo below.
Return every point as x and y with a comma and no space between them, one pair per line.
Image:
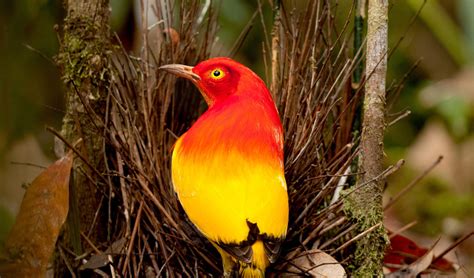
216,73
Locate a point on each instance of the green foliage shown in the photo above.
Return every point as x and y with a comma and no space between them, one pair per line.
430,203
456,113
29,83
442,27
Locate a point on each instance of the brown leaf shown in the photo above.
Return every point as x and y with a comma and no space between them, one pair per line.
316,263
404,256
417,267
43,211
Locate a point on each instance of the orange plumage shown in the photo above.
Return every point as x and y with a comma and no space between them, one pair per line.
227,169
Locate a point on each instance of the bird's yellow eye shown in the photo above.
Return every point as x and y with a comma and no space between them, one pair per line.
217,74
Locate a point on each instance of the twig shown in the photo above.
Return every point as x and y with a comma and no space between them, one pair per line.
412,184
276,47
39,53
345,232
393,168
90,243
387,172
404,228
243,35
66,262
132,239
78,153
340,185
456,243
356,238
28,164
400,117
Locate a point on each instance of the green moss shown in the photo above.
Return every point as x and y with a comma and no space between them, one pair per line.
370,249
82,55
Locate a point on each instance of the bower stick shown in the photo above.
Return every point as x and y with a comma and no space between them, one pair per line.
365,207
275,49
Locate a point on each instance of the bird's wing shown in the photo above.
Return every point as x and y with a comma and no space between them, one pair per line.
243,250
272,247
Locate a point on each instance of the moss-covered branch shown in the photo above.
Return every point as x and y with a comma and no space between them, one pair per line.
83,60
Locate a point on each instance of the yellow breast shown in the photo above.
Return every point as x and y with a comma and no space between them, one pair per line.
221,189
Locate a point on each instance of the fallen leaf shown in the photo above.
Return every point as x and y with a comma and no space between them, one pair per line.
411,271
403,252
315,263
44,208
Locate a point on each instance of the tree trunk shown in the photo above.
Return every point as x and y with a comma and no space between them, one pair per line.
366,202
83,59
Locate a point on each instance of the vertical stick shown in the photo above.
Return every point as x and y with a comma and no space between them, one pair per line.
358,38
366,205
275,49
84,61
374,100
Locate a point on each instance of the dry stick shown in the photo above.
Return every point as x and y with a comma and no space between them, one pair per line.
398,86
456,243
28,164
243,35
154,223
340,221
112,270
107,169
393,168
90,243
141,256
387,172
327,243
413,20
276,48
165,263
400,117
96,215
404,228
125,198
412,184
57,134
356,238
160,206
66,262
152,256
314,233
132,238
313,201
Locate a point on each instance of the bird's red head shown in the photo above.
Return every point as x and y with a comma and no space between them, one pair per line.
219,78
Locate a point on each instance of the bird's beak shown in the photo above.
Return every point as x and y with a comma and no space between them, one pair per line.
182,71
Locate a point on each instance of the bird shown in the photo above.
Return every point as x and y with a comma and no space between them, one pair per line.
227,169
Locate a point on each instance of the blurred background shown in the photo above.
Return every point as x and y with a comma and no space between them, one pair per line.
437,50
